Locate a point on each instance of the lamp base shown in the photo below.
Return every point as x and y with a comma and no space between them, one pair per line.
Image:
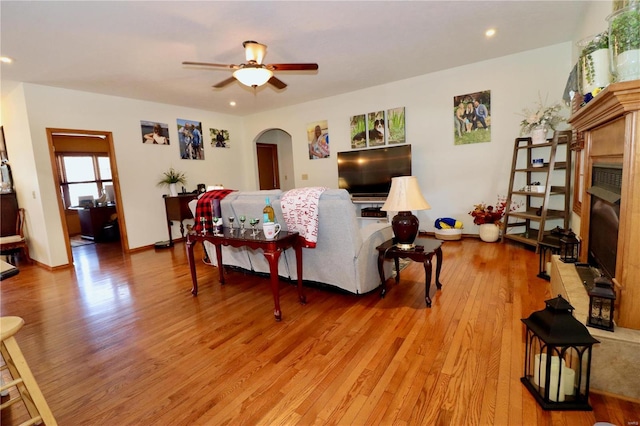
402,246
405,229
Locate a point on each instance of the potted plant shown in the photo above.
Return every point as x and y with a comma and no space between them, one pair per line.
624,42
489,218
538,121
594,63
171,178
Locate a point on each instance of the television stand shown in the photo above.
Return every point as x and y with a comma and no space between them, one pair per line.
368,200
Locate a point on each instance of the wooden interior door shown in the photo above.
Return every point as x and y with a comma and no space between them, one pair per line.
268,173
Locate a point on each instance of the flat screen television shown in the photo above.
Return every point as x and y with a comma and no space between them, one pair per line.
366,174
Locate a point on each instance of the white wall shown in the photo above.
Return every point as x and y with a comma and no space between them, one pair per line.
140,166
452,178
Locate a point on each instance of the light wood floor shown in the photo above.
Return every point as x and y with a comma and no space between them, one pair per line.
119,340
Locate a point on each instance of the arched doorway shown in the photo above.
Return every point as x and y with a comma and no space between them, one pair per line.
274,147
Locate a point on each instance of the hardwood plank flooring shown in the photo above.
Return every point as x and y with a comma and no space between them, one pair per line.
119,340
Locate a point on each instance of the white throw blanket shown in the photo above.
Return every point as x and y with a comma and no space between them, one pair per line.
300,211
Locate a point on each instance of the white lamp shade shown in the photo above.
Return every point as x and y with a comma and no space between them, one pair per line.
251,76
405,195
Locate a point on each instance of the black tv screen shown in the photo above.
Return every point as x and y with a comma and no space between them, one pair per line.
367,173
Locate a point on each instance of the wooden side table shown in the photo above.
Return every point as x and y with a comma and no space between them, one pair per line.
177,208
271,248
422,252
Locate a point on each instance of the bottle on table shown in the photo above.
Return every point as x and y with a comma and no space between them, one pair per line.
268,215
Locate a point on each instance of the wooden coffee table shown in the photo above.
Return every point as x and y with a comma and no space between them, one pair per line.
272,250
422,252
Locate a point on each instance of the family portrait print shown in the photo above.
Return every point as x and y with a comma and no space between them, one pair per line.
318,137
472,118
219,138
154,133
190,138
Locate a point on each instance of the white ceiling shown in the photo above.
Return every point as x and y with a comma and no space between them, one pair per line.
135,49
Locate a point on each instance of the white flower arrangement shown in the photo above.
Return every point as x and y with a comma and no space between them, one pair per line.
541,116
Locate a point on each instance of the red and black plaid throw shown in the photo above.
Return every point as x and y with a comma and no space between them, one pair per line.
207,203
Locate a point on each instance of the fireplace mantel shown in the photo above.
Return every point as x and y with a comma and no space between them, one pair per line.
610,125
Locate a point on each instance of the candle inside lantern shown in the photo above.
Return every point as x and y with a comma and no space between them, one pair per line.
556,386
568,380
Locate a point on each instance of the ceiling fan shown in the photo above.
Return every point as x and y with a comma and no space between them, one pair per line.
254,73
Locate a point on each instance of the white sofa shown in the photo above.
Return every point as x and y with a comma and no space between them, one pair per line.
345,255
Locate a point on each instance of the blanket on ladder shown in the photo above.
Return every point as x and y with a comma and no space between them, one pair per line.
300,211
208,204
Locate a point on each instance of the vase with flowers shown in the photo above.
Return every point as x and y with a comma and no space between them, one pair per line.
171,178
539,120
489,218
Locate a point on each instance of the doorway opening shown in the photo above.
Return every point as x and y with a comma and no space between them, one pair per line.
86,175
274,155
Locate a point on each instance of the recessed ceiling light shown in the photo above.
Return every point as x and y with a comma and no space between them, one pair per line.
6,59
232,103
490,32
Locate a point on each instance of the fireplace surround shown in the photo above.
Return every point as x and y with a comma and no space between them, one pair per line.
610,128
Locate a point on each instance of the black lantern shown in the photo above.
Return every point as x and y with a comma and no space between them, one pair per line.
569,247
601,299
557,362
549,245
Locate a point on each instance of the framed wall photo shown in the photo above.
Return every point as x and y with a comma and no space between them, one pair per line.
358,131
376,129
395,126
154,133
219,138
318,136
190,139
472,118
3,148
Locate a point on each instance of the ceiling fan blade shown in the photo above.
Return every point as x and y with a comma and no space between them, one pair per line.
211,65
277,83
224,82
293,67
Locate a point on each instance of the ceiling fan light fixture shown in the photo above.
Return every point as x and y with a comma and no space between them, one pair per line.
253,77
254,51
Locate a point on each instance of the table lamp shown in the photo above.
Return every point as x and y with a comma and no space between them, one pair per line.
404,196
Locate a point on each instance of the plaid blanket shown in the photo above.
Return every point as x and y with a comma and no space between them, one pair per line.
208,205
300,211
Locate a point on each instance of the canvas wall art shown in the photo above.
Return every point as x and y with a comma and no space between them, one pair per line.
219,138
472,118
154,133
190,138
396,126
318,137
377,129
358,131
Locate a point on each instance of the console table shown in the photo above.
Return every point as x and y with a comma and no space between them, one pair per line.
177,208
271,248
422,252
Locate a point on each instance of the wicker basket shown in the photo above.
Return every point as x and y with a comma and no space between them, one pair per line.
449,234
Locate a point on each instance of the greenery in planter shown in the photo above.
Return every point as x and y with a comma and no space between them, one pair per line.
172,176
599,41
624,29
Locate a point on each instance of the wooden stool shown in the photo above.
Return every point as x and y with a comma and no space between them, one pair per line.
23,380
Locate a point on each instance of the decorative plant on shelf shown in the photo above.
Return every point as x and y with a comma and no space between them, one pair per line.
595,43
172,176
624,45
541,116
483,213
